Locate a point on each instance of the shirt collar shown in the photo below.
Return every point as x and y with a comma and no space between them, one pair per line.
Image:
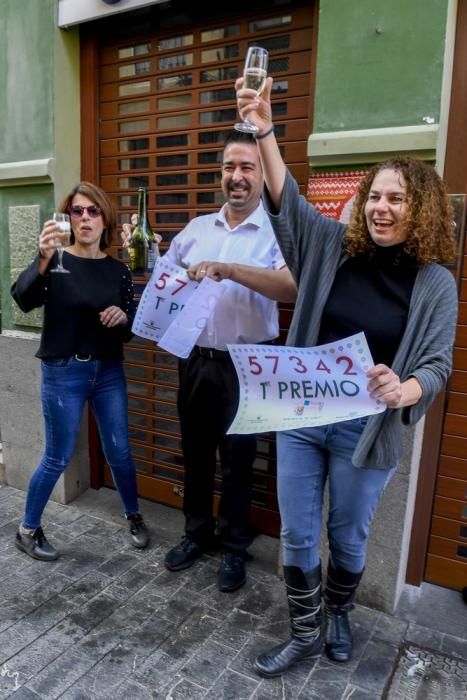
256,218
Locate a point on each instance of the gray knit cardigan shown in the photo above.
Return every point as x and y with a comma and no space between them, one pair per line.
312,247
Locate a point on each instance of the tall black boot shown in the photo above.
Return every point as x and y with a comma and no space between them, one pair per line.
341,586
304,598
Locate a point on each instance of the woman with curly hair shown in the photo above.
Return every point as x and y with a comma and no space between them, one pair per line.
382,275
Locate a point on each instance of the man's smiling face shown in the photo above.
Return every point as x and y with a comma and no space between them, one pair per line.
242,177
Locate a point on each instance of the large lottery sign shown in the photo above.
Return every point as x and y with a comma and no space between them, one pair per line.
173,309
282,388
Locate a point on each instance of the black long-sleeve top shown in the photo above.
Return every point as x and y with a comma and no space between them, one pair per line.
72,304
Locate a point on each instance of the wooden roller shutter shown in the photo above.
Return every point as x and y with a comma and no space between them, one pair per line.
446,562
166,102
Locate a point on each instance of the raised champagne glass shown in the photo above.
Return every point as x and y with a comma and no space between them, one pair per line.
255,72
62,238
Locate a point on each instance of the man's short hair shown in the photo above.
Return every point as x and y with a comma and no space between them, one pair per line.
235,136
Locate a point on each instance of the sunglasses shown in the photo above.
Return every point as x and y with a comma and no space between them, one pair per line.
76,211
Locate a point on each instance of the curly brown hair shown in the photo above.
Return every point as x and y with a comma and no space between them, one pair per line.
99,197
429,218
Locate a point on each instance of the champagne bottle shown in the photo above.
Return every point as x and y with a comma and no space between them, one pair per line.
153,249
143,246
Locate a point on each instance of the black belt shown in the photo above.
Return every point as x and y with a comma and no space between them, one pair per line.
211,352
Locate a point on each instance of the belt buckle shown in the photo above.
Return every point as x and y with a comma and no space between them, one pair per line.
82,358
211,353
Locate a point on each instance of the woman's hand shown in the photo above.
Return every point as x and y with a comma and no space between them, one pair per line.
49,233
216,271
255,107
386,385
113,316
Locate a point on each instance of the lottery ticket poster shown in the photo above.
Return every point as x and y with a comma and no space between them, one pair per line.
186,328
163,299
283,388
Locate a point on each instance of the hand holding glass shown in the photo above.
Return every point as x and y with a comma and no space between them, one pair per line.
254,77
62,239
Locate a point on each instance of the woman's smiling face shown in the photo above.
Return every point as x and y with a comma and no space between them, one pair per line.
386,208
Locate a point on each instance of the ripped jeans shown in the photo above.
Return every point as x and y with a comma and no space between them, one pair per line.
67,384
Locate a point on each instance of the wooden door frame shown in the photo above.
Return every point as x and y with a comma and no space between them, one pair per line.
455,176
89,111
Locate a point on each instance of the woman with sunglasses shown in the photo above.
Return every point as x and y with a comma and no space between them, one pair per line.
87,318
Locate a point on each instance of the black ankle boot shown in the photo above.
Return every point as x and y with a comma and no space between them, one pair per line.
304,598
138,531
341,586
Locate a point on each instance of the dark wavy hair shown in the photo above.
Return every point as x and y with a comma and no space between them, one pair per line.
429,218
99,197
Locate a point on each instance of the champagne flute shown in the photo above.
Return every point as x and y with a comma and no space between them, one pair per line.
255,72
62,239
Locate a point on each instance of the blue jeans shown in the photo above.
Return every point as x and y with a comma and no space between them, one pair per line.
306,458
66,386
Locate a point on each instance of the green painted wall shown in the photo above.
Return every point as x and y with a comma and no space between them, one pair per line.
26,79
379,63
38,63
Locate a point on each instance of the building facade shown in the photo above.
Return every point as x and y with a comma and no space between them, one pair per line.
136,93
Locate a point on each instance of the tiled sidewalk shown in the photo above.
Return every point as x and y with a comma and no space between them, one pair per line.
108,621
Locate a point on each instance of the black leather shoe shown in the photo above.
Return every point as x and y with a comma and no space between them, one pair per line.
280,658
138,530
231,574
183,555
36,545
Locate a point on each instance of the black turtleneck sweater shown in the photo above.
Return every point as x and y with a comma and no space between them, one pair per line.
371,293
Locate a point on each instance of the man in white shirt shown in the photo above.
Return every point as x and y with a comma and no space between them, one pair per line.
236,246
239,238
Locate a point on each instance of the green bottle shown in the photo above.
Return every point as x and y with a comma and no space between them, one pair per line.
143,246
153,250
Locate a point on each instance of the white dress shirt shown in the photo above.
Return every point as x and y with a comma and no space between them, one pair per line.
241,315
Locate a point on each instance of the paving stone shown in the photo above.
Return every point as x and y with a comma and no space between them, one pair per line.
86,588
351,692
131,581
182,689
262,598
108,622
322,690
236,629
389,629
89,615
189,635
60,675
40,653
25,694
12,611
231,686
327,670
158,670
105,676
207,664
455,646
423,636
76,562
10,680
375,667
179,607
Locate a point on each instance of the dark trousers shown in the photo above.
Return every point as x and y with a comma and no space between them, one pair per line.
207,403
